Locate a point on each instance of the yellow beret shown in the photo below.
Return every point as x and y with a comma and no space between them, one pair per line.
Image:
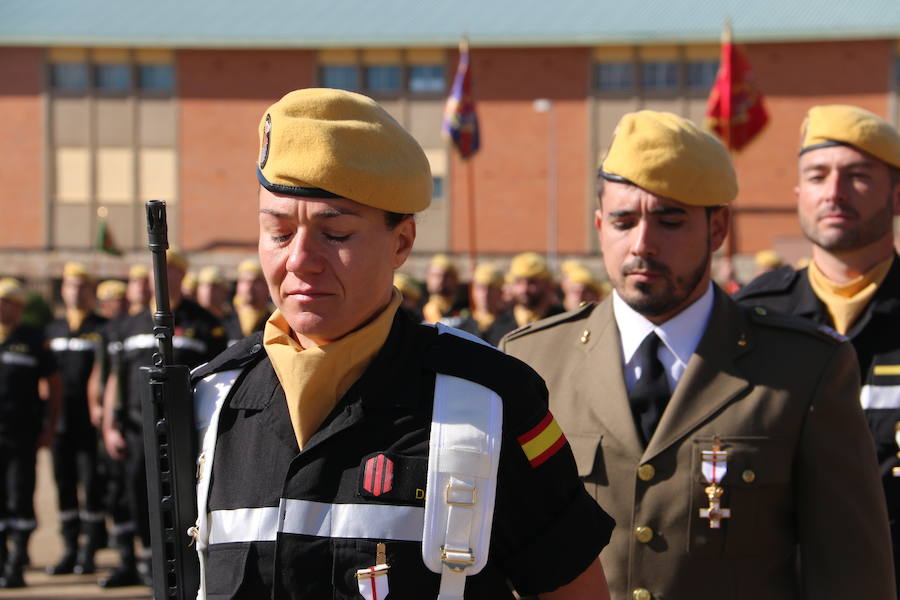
443,261
75,269
11,289
138,272
488,274
768,258
568,265
840,124
582,275
177,259
210,275
331,143
111,289
670,156
530,265
407,286
249,266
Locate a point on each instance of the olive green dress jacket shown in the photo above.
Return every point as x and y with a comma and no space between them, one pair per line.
807,518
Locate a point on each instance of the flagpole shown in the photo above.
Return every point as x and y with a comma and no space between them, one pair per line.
473,250
731,247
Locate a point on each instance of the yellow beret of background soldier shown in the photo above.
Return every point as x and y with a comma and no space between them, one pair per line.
722,439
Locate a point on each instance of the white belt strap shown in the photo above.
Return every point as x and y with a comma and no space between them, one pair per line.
209,397
463,457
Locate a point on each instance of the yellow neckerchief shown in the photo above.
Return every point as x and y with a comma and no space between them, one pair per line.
524,316
75,318
845,302
436,307
248,317
315,379
484,319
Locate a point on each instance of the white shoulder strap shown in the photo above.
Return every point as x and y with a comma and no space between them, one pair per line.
209,397
464,454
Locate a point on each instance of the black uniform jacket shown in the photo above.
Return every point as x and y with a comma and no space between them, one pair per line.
75,352
199,336
24,359
506,323
876,337
546,529
232,326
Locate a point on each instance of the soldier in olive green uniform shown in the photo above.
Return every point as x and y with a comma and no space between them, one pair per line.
727,442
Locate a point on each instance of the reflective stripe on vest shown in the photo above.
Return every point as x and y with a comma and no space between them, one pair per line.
14,358
62,344
144,341
320,519
880,396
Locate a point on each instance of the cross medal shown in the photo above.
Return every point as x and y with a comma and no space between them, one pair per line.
373,581
714,466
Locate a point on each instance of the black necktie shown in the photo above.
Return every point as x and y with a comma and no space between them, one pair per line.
650,393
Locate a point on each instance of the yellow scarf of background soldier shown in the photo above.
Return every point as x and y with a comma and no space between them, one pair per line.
315,379
845,302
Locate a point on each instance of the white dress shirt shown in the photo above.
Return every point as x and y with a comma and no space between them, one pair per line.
679,335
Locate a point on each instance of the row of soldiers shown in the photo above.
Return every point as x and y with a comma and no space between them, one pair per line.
87,363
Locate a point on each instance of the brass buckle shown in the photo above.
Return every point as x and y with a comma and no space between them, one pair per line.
447,491
457,560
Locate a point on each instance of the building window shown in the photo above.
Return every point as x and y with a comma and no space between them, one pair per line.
659,75
427,79
156,78
437,188
69,77
383,79
112,77
614,76
701,74
341,77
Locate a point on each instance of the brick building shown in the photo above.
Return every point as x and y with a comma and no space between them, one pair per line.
111,104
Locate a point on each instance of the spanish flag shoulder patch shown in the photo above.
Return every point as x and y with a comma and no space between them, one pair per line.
542,441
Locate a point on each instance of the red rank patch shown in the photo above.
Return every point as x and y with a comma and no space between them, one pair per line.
379,477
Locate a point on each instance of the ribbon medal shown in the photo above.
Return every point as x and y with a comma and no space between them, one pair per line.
714,466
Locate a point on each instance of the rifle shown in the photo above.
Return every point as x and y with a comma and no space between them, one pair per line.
169,442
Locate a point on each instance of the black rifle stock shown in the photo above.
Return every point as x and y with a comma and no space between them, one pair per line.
169,440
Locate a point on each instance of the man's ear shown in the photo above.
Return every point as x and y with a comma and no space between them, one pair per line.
719,221
405,236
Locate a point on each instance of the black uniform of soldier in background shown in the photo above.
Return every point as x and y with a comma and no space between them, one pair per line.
74,340
24,426
197,338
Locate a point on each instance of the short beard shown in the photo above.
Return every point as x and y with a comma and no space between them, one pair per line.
865,233
675,292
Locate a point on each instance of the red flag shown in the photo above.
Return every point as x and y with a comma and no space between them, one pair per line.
735,110
460,120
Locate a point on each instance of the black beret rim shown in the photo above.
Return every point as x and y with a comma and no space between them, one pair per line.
825,144
292,190
613,177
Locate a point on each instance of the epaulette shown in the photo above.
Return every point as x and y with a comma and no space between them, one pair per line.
236,356
778,281
766,317
581,312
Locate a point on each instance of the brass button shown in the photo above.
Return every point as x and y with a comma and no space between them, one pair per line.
585,336
748,476
646,472
643,534
641,594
